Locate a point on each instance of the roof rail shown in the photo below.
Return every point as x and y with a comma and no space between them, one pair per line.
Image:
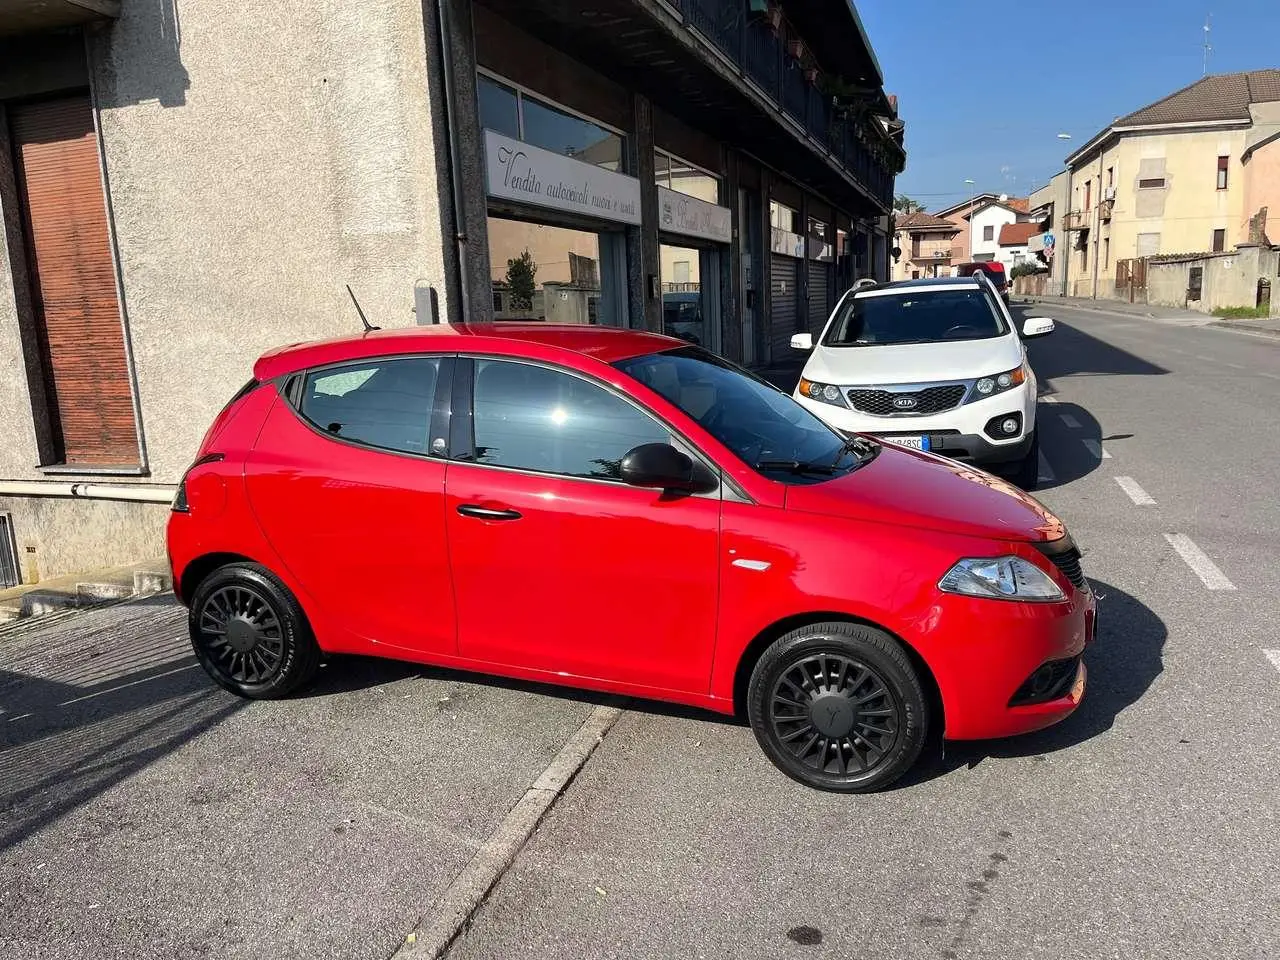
865,283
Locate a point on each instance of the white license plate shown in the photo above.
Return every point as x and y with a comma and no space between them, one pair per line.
915,443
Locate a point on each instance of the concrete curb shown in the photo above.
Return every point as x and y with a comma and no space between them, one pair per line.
68,593
434,934
1250,328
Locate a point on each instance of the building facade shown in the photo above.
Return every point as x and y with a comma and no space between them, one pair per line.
1186,174
178,196
924,244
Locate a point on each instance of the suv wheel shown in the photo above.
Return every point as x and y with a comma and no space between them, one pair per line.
838,706
250,634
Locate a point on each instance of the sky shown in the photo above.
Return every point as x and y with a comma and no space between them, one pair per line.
985,90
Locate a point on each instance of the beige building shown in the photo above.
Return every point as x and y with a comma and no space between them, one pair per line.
926,245
1183,175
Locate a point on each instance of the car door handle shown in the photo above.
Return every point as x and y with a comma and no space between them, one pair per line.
487,513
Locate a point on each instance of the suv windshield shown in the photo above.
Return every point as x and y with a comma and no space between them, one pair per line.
916,316
762,425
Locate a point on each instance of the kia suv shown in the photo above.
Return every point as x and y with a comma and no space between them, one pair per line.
937,365
623,512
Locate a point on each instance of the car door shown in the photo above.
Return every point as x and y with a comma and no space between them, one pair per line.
558,565
345,485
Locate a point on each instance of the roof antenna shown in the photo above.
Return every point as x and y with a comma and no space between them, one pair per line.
368,327
1208,47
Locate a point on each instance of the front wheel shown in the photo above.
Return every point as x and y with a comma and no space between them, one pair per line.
838,706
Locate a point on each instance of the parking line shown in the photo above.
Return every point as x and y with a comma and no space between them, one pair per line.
131,683
21,716
1199,562
1273,656
1049,398
1046,472
1097,449
1135,492
1069,420
1234,366
1273,376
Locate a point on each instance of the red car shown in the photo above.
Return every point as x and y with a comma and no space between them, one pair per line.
624,512
994,271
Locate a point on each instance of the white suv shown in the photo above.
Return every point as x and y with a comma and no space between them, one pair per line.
937,365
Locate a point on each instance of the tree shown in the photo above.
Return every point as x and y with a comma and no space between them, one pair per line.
904,204
520,273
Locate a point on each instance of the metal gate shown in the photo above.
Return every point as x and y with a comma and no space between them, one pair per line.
782,303
8,553
818,309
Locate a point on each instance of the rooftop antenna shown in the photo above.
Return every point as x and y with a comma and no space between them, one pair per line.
1208,47
368,327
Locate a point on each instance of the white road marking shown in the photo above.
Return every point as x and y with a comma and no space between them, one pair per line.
1204,358
1046,471
1199,562
131,683
1097,449
1273,376
1234,366
1135,492
1274,657
21,716
1049,398
1069,420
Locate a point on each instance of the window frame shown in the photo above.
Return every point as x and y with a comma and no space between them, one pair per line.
522,91
988,233
1219,240
462,436
291,387
1224,172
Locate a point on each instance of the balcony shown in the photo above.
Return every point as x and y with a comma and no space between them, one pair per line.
1104,209
1076,220
930,254
31,16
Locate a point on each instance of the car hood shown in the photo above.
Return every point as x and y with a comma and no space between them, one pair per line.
921,490
913,362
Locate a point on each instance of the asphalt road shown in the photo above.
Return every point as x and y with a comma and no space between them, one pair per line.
144,814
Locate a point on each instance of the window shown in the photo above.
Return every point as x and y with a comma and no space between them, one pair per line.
682,177
517,114
533,418
915,274
1148,244
1088,195
1111,176
988,233
1219,241
1195,283
782,217
1223,163
377,403
1106,252
1151,183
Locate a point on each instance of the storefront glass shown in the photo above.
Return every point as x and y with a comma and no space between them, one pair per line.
555,274
675,174
517,114
691,294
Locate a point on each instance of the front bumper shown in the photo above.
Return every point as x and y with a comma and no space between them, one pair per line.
983,652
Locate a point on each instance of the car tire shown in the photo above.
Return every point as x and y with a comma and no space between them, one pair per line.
839,707
1027,473
249,633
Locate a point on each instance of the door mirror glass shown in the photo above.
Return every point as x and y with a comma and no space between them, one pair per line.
662,466
1037,327
802,341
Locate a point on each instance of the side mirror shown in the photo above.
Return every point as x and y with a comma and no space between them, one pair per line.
662,466
1037,327
802,341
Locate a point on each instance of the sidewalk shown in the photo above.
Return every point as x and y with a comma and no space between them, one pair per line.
1269,326
84,589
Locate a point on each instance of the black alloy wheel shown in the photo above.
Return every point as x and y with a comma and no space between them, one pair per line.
249,633
839,707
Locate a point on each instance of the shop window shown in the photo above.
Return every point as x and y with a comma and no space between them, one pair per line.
682,177
499,107
512,111
782,217
687,302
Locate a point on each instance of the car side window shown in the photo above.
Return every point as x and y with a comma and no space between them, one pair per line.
534,418
384,403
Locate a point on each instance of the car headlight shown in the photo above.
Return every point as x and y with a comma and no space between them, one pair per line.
826,392
1001,578
990,386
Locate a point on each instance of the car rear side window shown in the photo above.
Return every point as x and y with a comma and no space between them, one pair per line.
534,418
384,403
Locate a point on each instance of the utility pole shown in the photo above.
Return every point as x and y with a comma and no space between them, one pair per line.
1208,47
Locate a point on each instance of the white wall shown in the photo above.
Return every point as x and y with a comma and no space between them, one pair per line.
991,216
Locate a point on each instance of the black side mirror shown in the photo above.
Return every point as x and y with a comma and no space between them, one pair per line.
663,466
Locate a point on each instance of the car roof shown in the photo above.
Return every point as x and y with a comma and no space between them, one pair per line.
541,340
927,283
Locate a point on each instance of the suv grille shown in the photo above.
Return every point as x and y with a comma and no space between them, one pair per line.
886,403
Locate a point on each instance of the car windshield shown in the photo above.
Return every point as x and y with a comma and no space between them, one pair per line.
763,426
916,316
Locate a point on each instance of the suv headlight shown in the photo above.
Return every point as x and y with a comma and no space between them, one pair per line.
1001,578
826,392
990,386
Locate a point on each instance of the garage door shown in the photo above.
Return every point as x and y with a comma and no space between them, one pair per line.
818,303
782,298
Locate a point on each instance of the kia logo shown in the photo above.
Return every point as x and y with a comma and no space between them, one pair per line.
904,403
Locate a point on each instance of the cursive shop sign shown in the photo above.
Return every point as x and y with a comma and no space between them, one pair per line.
691,217
528,174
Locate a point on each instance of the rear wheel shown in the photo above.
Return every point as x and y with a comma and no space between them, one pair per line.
250,634
838,706
1027,473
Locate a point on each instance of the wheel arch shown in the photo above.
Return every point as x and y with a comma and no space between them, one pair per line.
196,571
762,641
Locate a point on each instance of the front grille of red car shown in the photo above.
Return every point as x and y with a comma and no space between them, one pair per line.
1051,681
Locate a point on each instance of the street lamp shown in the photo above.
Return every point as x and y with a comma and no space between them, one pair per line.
973,204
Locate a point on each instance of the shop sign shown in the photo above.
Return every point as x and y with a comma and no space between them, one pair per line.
786,243
683,214
527,174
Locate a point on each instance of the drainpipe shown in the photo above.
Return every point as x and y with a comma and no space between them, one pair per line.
455,172
1097,238
89,491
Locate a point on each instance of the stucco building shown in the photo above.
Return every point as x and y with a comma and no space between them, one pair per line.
925,244
1185,174
185,185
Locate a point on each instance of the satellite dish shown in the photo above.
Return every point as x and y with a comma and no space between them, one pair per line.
1004,198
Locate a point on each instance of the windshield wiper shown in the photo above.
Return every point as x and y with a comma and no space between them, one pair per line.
864,449
796,466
